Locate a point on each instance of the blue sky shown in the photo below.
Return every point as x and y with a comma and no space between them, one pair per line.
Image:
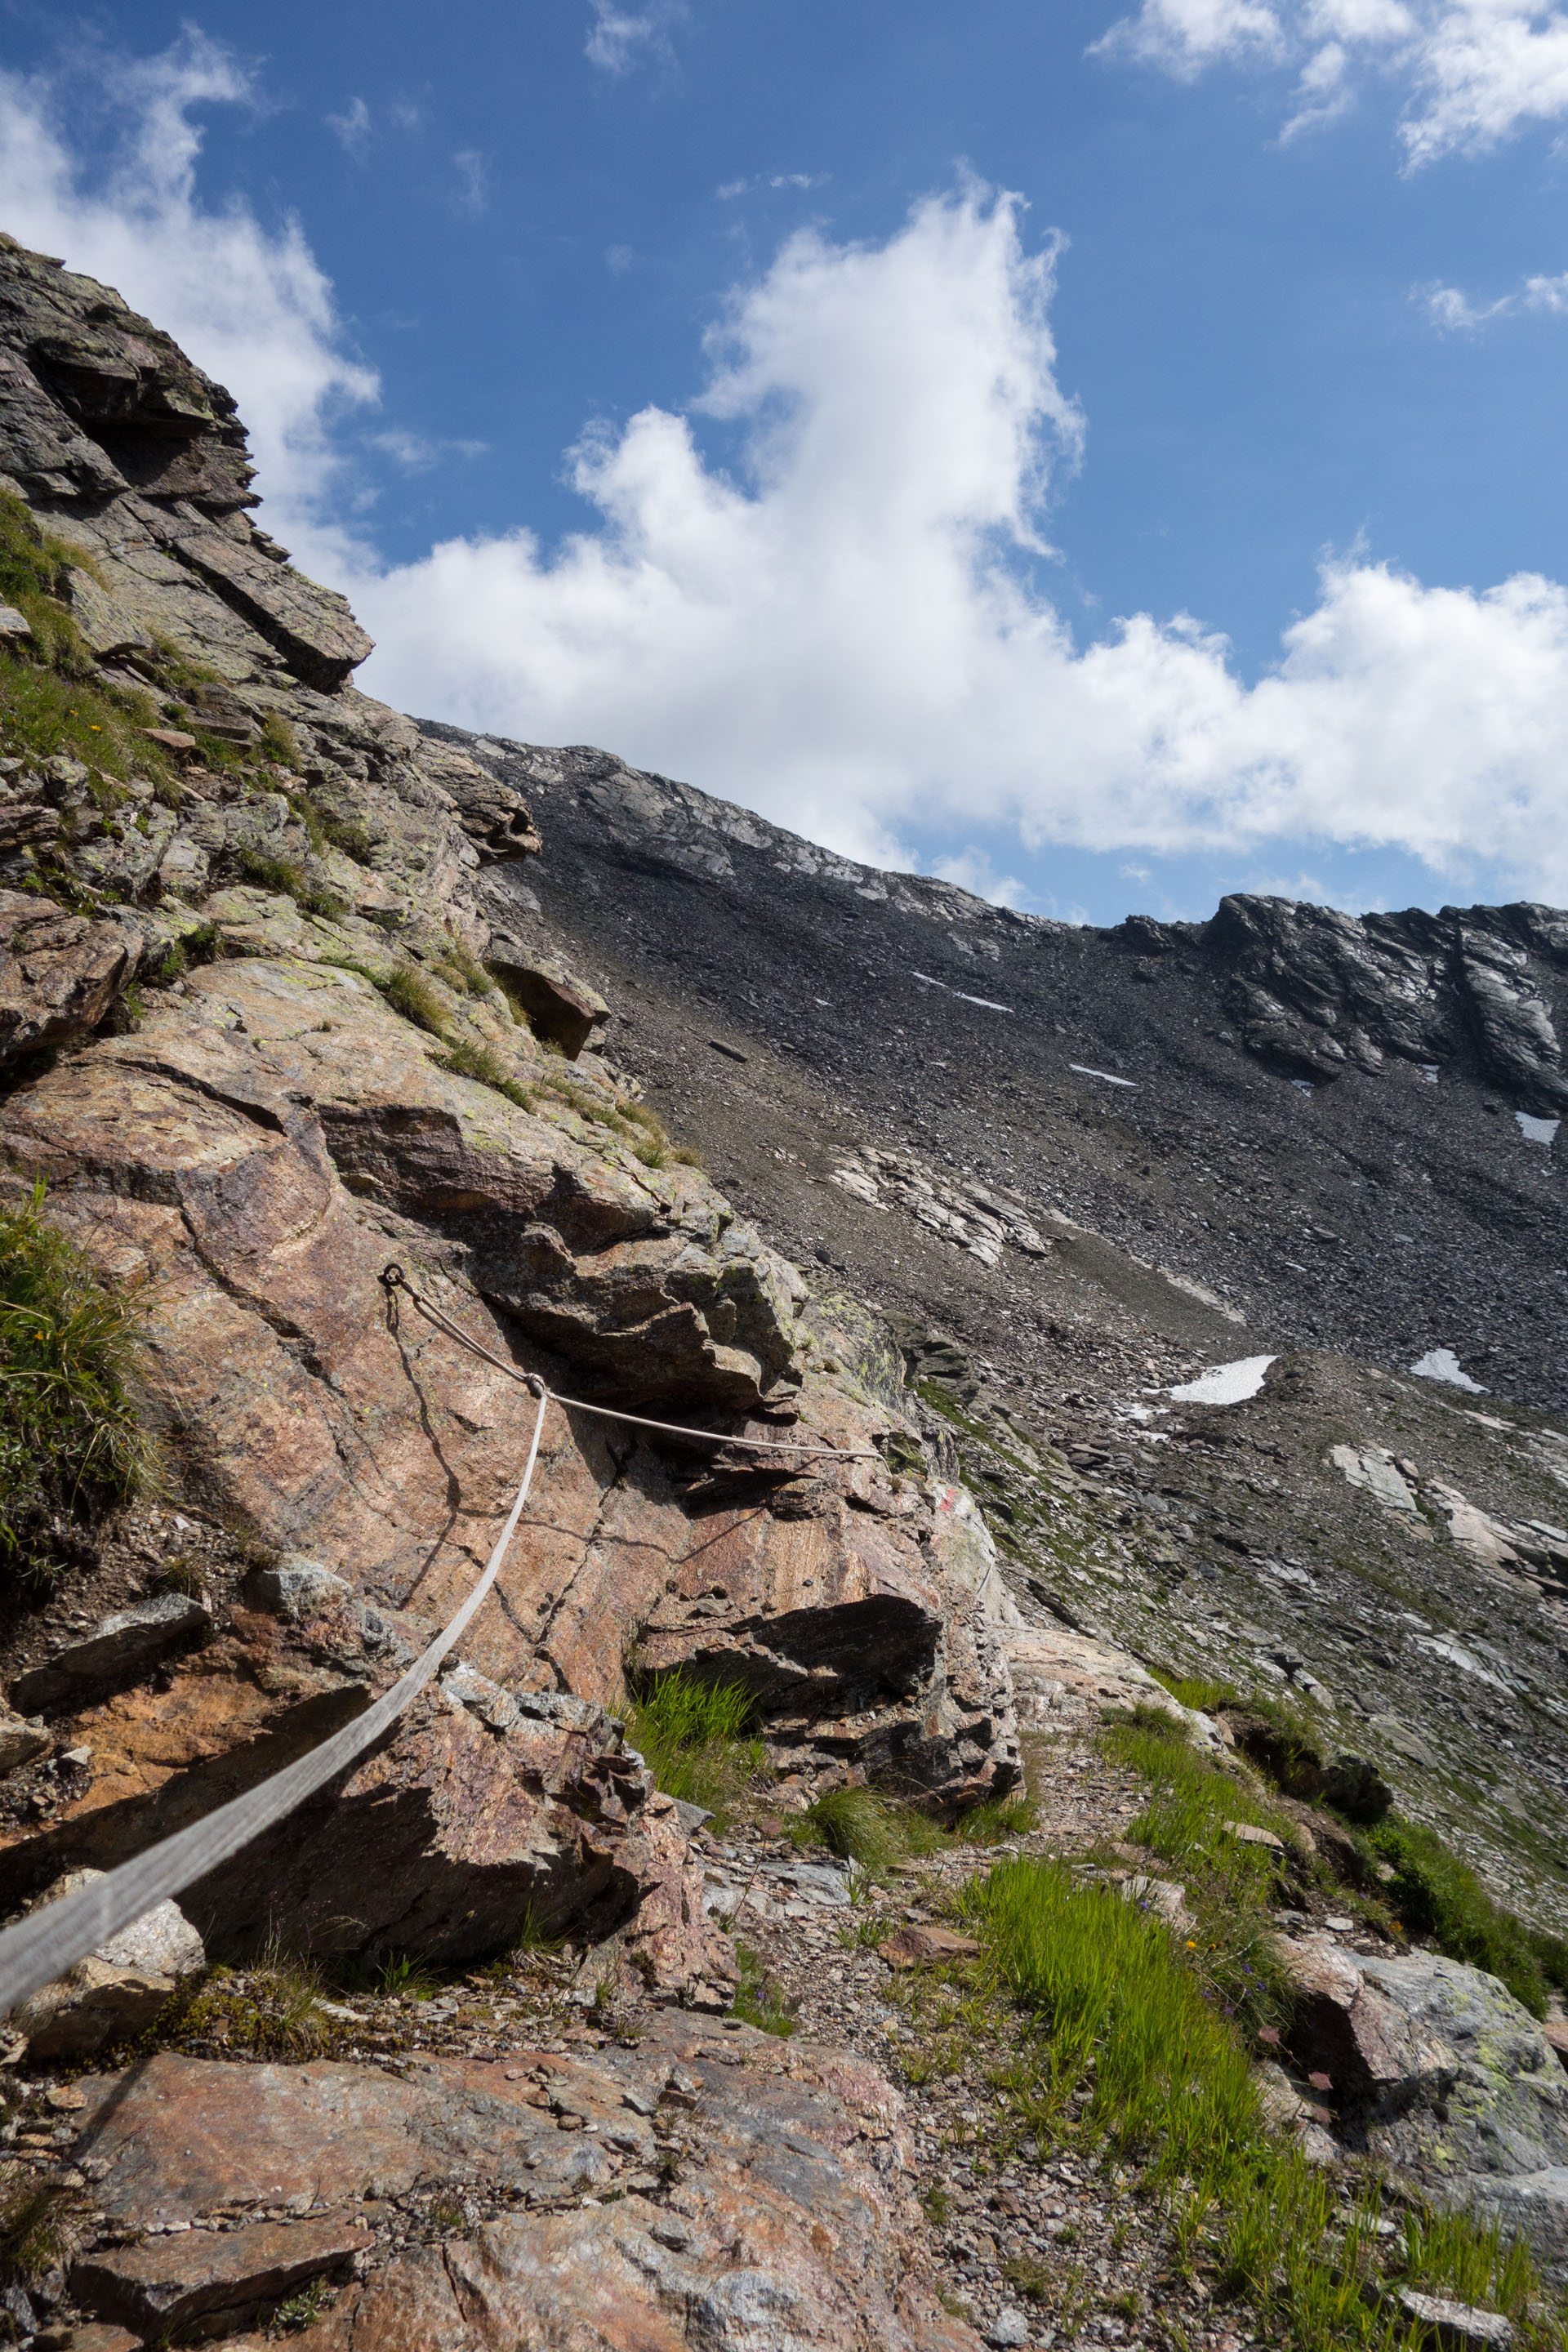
804,400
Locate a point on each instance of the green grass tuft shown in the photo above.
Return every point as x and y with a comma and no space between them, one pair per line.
198,946
696,1738
36,2233
42,714
1128,2053
464,971
1202,1695
758,2000
467,1059
1167,2076
70,1347
993,1823
410,994
289,879
856,1824
1438,1897
277,740
400,1975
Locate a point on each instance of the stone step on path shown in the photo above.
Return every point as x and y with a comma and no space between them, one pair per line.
724,2186
1067,2227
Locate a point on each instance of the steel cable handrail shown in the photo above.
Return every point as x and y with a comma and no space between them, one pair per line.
394,1279
53,1938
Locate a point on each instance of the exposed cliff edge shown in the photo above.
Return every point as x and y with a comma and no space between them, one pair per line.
291,987
279,882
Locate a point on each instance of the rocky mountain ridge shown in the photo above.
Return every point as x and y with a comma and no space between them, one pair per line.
1343,1127
291,987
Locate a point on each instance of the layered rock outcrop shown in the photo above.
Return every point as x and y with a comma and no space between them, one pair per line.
1440,2072
1319,991
791,2224
336,1059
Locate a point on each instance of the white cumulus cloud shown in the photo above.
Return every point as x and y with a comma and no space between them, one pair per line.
1474,72
845,626
824,589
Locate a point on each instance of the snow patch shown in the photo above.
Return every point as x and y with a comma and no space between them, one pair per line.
1537,1130
1429,1072
1302,1086
1085,1072
1442,1364
988,1002
1226,1383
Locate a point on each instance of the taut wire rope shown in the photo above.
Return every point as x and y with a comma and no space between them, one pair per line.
53,1938
395,1279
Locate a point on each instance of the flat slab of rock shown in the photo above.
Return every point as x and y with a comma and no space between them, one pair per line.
121,1644
1459,2326
59,973
1248,1833
166,2282
924,1947
789,2225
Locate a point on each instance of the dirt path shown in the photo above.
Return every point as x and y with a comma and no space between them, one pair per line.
1032,2253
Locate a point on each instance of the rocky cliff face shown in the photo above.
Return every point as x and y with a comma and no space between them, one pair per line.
1073,1168
260,1042
293,987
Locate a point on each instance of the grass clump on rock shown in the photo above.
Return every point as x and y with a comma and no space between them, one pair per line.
1440,1897
35,2229
408,991
652,1144
1129,2055
289,879
69,1438
696,1737
272,2010
465,1059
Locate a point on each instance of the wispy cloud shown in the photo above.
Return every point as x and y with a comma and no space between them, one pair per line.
1473,72
1449,308
733,188
473,173
417,452
352,129
620,39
